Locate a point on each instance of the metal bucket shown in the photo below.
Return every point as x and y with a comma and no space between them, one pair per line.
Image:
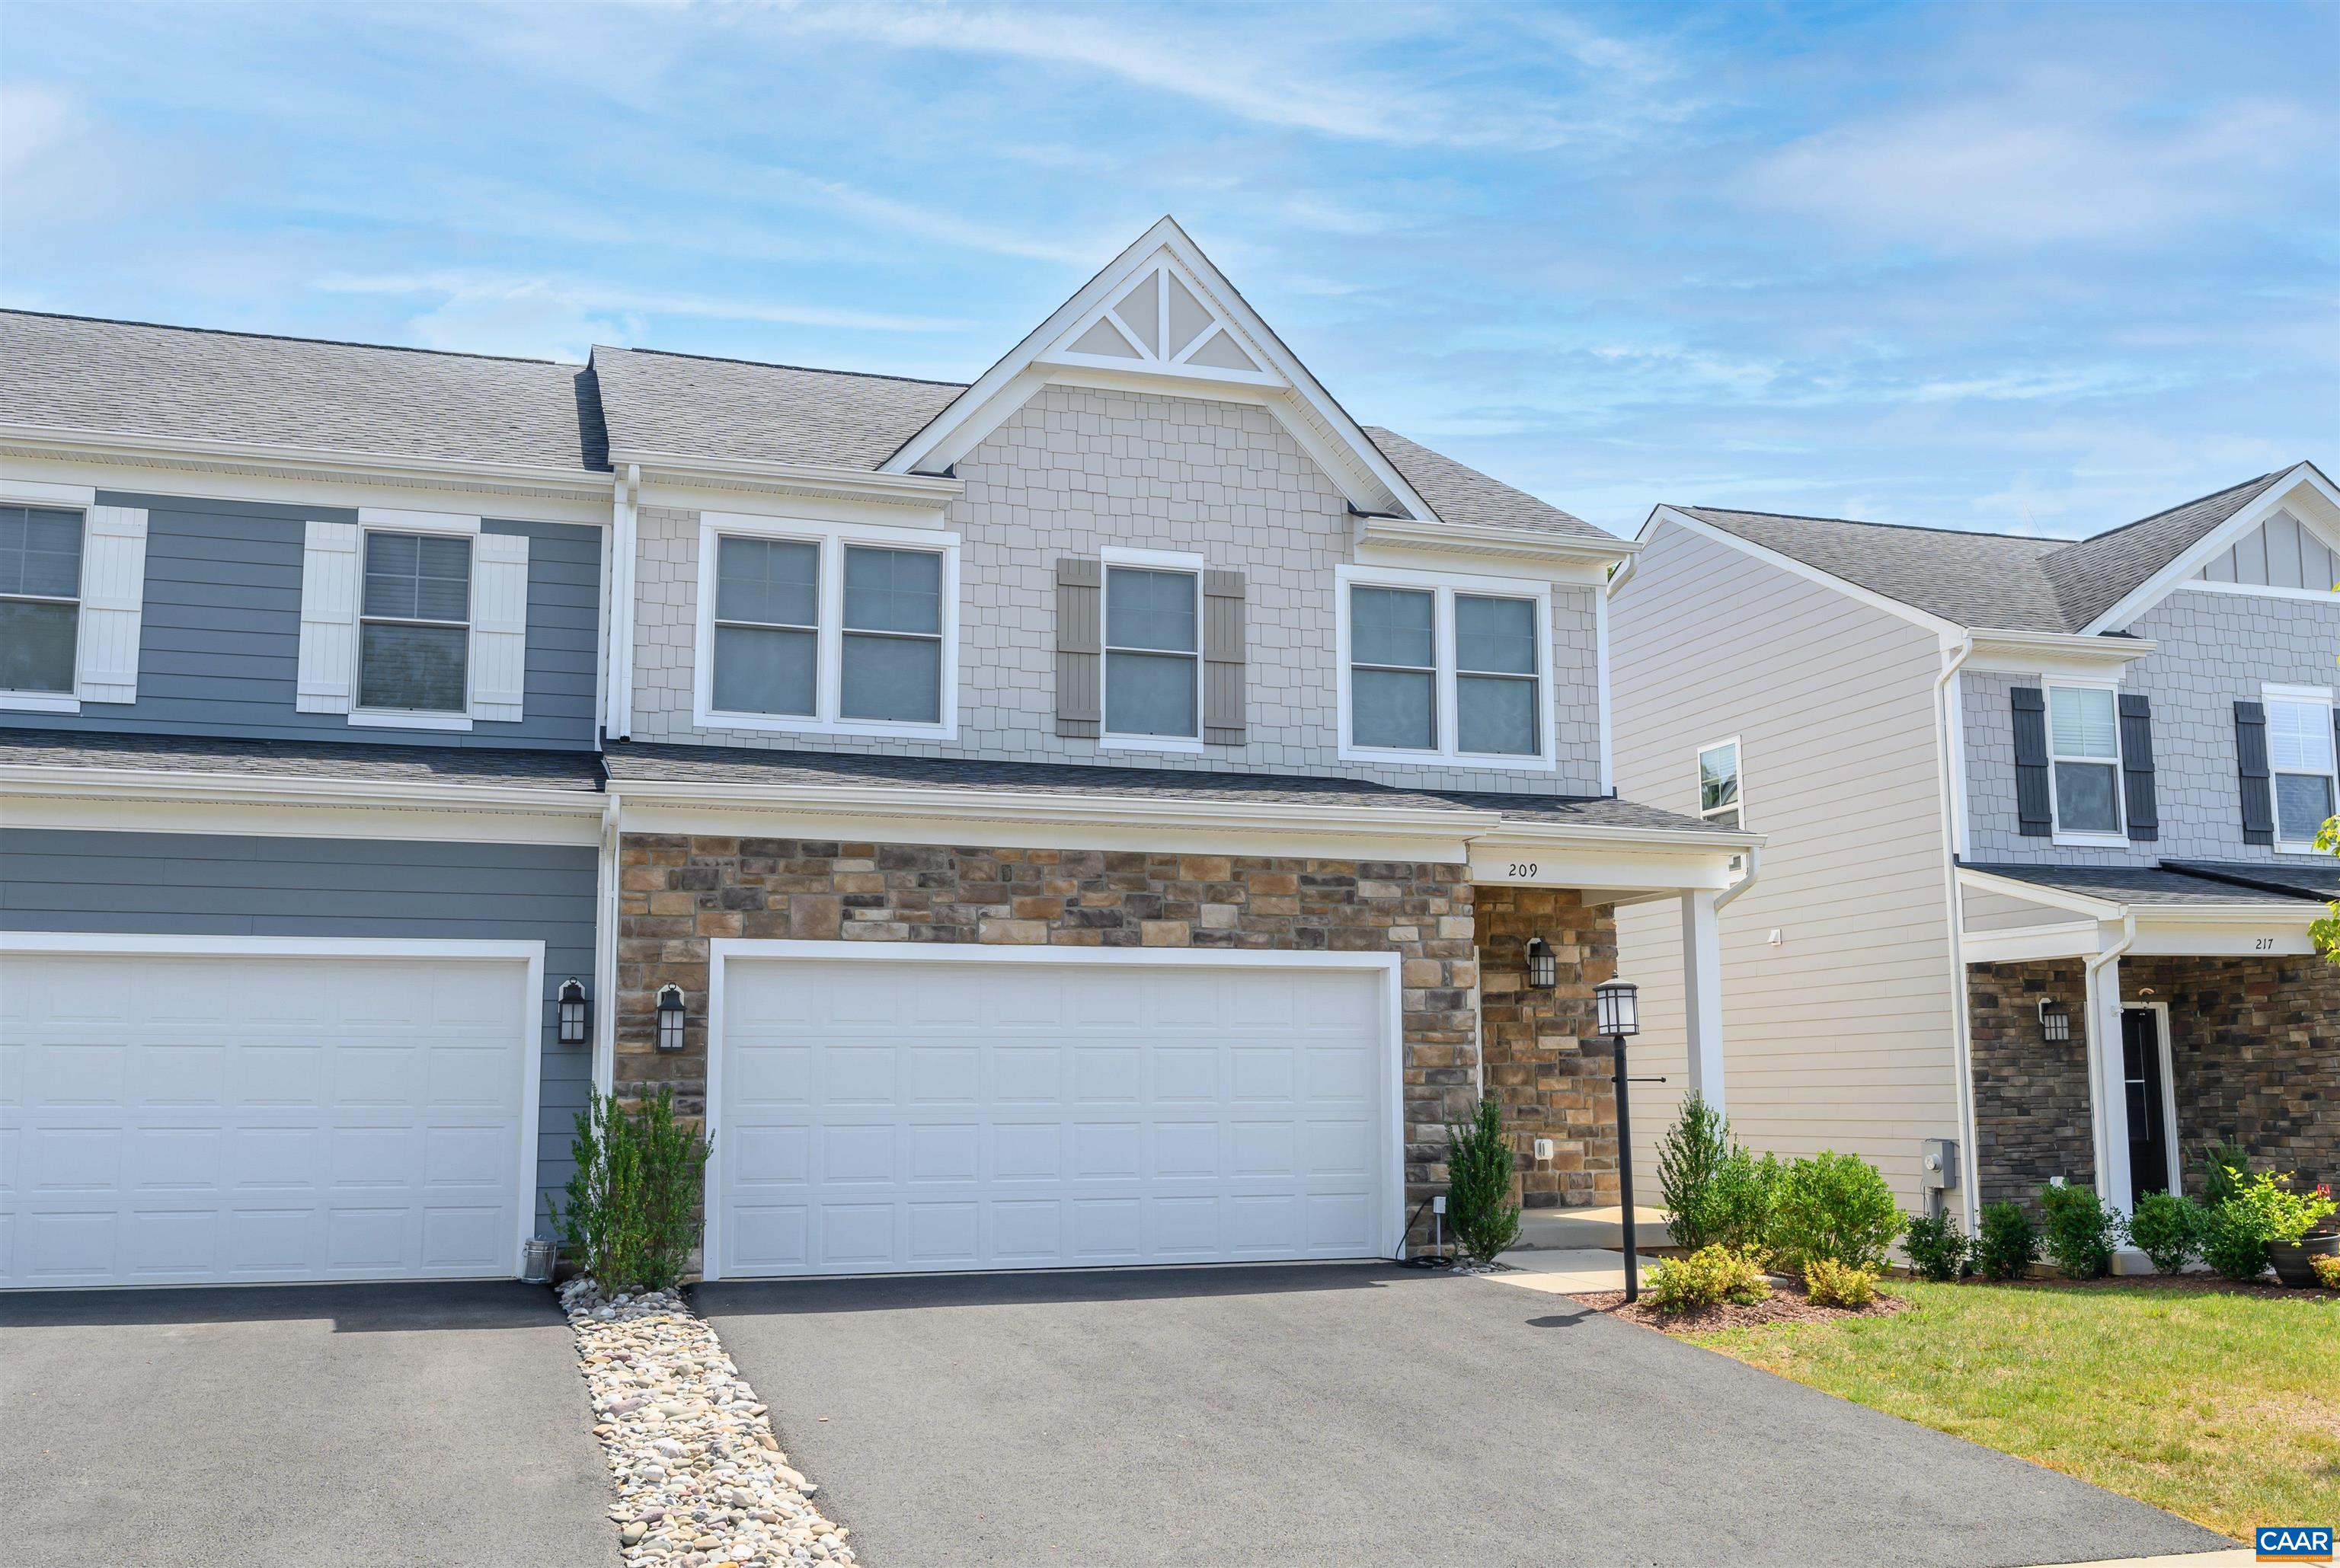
535,1262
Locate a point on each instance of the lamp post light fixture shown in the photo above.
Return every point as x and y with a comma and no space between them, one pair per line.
670,1018
2055,1021
574,1013
1544,964
1614,1003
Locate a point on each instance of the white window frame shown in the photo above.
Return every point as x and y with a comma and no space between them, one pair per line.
832,537
1445,585
1193,565
2270,694
440,525
55,498
2073,837
1738,771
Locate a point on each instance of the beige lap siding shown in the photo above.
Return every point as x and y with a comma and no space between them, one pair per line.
679,894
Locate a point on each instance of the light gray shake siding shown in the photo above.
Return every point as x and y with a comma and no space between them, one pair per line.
217,884
2215,650
1077,469
219,646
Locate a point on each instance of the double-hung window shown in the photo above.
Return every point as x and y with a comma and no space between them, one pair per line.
821,628
1445,669
414,625
40,598
1718,784
2083,748
1153,654
2300,750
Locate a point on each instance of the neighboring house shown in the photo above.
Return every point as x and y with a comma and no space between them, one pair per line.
1100,815
2039,866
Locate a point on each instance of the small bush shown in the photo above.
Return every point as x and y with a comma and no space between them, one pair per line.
1741,1196
1693,1152
2009,1242
633,1205
2327,1271
2234,1242
2224,1167
1835,1206
1712,1274
1832,1284
1478,1184
2279,1213
2081,1232
1937,1249
2167,1227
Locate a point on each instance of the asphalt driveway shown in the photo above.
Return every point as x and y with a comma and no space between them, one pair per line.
1355,1413
310,1425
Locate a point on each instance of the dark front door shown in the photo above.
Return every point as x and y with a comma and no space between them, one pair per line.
2148,1127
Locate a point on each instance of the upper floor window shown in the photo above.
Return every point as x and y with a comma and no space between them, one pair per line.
1717,783
2084,747
414,636
40,598
1153,654
2300,747
1442,668
825,628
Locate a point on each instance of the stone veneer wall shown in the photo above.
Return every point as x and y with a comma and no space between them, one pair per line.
2255,1046
678,892
2031,1098
1543,1059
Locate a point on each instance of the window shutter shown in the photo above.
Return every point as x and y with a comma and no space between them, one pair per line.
2137,768
2035,814
1223,658
329,618
2257,779
112,603
499,625
1080,648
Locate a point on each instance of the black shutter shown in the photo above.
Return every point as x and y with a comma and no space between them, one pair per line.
2137,768
2032,808
2251,763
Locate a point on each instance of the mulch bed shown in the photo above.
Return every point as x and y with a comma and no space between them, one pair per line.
1783,1306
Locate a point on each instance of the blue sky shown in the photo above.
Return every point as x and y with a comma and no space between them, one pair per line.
2028,269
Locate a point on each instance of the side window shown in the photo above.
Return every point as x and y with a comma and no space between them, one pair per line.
892,662
2300,747
1152,655
40,598
766,626
415,623
1718,784
2083,748
1394,668
1495,683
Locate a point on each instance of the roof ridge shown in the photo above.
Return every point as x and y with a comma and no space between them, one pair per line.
1903,528
291,338
2227,490
781,365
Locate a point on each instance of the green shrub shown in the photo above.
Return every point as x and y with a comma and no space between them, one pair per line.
2081,1232
2224,1167
633,1205
2167,1227
1740,1199
1711,1274
1937,1249
1832,1284
2233,1242
2009,1242
1691,1155
1833,1205
1478,1184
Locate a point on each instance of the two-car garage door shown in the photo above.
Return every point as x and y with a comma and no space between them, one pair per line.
950,1111
224,1116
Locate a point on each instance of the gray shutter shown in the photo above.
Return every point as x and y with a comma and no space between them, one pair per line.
1080,651
2257,778
2034,813
2137,768
1223,658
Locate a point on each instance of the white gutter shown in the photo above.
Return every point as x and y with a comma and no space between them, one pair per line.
905,490
1961,1047
605,951
1480,540
142,784
373,468
625,503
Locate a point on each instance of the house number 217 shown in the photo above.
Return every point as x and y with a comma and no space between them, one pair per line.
2261,944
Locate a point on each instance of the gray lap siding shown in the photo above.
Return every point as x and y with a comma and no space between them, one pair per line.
215,885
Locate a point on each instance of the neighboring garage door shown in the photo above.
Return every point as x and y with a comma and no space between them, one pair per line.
227,1116
879,1115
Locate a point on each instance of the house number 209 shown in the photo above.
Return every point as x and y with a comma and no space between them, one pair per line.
1520,868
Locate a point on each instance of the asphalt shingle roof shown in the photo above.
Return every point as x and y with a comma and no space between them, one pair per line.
2319,879
129,378
2145,884
739,409
1467,497
326,760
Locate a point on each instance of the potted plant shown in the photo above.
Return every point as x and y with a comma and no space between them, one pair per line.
2296,1227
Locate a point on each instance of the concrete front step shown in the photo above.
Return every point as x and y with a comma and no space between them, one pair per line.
1577,1229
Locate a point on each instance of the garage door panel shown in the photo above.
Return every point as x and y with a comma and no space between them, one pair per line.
764,1155
166,1158
1108,1074
945,1074
1186,1074
1026,1232
460,1240
1026,1151
946,1151
278,1159
943,1234
1262,1074
1026,1075
769,1237
1186,1149
851,1153
275,1243
78,1074
1108,1151
857,1075
857,1235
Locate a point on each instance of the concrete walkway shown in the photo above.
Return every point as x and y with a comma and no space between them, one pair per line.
327,1426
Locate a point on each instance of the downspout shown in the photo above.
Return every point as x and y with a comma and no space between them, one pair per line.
1961,1047
1754,868
605,949
625,503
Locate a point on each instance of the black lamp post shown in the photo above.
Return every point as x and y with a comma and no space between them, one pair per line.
575,1013
1619,1018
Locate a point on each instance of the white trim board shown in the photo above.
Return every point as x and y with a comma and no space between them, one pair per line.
2174,1152
723,950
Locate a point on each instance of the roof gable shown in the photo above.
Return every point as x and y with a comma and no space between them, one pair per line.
2091,576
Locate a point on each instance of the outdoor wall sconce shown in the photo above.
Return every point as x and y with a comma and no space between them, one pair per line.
2055,1021
1544,964
575,1013
669,1017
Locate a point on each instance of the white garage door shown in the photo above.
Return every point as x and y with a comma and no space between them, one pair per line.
883,1115
171,1120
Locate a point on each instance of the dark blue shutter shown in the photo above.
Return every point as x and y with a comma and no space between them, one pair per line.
2137,768
2257,779
2032,808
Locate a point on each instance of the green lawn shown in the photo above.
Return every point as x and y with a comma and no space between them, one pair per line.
2224,1408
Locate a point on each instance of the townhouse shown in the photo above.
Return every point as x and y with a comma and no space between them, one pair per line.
1116,811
